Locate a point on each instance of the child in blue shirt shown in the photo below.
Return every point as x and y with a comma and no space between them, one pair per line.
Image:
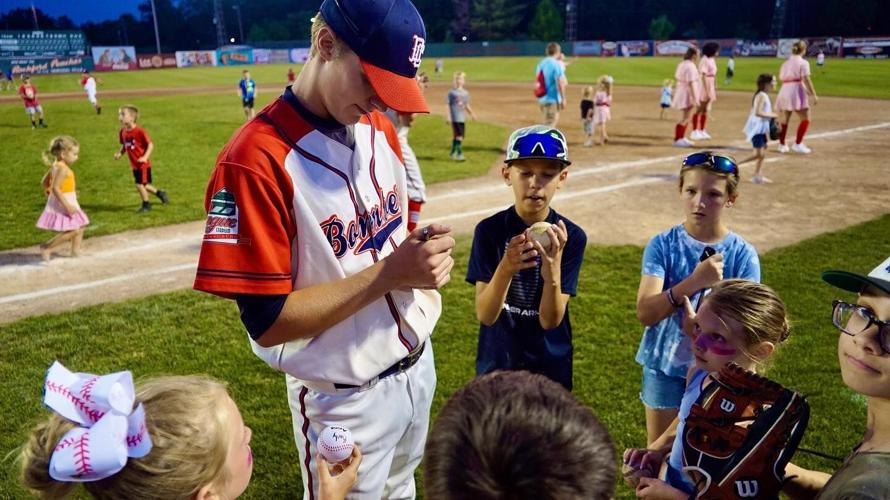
523,284
674,265
247,91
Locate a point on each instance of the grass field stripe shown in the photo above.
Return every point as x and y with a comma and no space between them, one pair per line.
92,284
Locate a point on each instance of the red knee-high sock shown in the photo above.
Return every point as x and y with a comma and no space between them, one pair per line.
695,121
783,131
701,121
802,130
678,131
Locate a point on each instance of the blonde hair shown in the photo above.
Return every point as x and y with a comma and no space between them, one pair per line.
755,306
317,24
187,424
604,83
132,109
799,47
458,74
667,83
57,146
587,93
732,181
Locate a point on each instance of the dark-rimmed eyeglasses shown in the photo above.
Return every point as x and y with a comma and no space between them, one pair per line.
715,162
854,319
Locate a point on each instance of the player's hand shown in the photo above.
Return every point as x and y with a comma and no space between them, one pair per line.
815,99
336,486
657,489
688,317
70,210
552,259
117,156
424,259
520,254
709,271
141,159
644,461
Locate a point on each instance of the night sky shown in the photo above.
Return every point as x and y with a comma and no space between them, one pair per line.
78,10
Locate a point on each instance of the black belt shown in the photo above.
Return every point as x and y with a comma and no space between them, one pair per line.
397,367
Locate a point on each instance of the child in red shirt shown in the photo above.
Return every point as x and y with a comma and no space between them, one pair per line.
138,146
32,106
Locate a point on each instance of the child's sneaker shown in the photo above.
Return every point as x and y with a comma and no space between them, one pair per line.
163,196
683,143
703,134
783,148
801,148
759,179
460,157
696,135
588,143
146,207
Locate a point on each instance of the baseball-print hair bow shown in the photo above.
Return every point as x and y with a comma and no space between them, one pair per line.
109,430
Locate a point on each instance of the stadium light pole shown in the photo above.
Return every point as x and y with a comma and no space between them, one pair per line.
154,16
240,28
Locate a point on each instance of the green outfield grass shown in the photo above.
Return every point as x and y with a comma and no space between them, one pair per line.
188,132
189,332
840,77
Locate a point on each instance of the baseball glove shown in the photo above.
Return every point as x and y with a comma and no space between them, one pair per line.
740,434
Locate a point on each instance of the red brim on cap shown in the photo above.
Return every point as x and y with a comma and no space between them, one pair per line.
400,93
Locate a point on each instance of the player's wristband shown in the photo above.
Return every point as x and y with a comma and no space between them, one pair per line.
670,295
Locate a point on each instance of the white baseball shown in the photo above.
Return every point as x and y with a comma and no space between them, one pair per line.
538,232
335,443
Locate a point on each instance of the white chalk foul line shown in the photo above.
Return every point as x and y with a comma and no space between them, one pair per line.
93,284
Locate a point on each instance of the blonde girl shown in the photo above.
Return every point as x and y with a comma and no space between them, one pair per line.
62,212
602,102
587,114
740,321
793,97
686,260
757,127
667,90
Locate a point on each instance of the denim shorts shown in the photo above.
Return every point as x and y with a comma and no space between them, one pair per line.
759,141
661,391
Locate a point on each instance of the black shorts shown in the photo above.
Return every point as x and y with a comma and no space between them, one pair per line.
247,103
729,73
142,175
457,128
665,106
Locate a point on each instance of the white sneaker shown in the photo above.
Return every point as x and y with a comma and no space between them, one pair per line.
801,148
704,134
683,143
695,135
759,179
783,148
588,143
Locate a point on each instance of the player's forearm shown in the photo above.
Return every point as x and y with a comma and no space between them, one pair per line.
308,312
655,307
553,305
490,301
148,150
665,442
803,483
809,86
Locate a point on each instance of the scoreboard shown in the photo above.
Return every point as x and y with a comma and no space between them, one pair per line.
26,44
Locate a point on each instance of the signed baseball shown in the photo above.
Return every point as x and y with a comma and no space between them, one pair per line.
335,443
538,232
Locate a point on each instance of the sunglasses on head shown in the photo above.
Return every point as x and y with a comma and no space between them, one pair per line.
716,163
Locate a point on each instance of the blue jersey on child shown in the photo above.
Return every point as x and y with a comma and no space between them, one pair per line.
516,340
672,256
248,88
675,476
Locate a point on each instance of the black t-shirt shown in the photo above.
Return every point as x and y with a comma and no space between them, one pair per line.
586,106
516,341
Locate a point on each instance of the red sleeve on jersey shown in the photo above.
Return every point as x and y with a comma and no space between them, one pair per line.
143,137
383,124
120,136
250,223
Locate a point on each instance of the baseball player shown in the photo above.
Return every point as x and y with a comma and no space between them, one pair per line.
89,84
247,92
28,92
306,230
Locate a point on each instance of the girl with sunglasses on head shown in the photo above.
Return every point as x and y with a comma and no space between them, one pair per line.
686,260
740,321
864,354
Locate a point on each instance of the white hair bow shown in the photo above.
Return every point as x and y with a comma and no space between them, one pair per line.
109,430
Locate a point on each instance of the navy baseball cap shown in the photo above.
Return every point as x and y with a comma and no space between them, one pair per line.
389,38
879,278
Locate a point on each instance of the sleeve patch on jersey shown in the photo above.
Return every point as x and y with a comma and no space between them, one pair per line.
222,220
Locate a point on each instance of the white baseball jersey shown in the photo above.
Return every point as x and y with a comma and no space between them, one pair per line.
289,208
90,85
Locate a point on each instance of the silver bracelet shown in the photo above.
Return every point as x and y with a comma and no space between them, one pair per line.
670,295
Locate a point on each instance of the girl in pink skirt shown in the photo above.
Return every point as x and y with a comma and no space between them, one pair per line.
687,94
62,213
796,84
708,70
602,102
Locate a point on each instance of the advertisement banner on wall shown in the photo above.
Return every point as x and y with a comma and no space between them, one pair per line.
49,65
262,56
279,56
189,58
727,45
610,49
114,58
154,61
299,55
866,48
766,48
673,47
234,56
831,47
635,48
587,48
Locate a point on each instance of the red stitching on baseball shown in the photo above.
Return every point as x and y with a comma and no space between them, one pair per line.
86,392
64,444
82,456
134,440
91,413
